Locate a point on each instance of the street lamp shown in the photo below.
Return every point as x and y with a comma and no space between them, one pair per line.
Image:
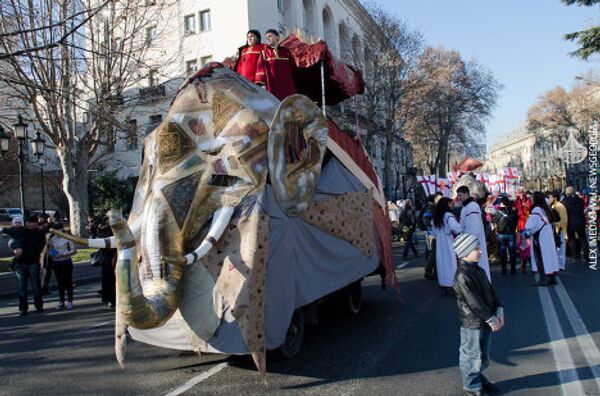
37,147
38,144
20,130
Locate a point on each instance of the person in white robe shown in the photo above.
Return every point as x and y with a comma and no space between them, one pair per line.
544,258
445,228
472,223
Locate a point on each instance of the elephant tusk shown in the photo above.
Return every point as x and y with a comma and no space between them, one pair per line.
97,243
220,220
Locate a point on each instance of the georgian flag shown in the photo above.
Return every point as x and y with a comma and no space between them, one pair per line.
428,183
445,187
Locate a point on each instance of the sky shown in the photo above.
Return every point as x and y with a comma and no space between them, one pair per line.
519,41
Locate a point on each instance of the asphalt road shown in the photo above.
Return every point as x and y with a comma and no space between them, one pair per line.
548,347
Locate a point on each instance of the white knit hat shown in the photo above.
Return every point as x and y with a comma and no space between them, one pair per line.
465,244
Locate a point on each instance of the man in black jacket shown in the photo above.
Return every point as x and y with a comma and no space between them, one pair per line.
506,220
480,312
576,224
27,266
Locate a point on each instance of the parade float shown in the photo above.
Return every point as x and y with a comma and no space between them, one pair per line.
247,211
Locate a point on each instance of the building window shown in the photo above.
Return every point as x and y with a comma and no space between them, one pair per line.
205,21
280,5
152,78
328,28
132,135
191,67
189,24
156,119
150,35
205,60
149,2
309,16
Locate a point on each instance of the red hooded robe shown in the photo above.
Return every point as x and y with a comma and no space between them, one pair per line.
275,71
249,57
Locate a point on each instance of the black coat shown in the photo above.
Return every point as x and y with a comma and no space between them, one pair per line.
575,212
475,296
33,244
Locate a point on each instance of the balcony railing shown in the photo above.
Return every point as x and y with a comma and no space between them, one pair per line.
152,93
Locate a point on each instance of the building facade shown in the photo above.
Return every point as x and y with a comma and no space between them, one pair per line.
212,30
537,156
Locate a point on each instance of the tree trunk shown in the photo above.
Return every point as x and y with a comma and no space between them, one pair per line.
74,164
388,172
442,161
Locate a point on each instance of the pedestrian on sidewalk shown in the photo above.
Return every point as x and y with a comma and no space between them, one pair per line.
27,266
480,313
60,251
108,259
408,219
17,239
445,227
543,246
46,259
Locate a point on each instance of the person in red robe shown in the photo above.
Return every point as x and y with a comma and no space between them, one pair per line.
249,56
523,205
275,70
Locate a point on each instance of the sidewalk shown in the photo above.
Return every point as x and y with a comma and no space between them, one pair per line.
83,273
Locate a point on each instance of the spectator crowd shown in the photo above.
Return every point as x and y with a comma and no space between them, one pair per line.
37,253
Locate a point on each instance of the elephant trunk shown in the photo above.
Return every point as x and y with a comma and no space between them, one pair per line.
153,305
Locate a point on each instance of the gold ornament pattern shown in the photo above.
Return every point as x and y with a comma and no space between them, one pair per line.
224,108
174,144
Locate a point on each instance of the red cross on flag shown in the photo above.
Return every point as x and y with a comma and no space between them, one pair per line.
428,183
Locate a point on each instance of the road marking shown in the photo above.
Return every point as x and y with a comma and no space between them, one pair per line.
583,337
97,325
196,380
569,380
404,264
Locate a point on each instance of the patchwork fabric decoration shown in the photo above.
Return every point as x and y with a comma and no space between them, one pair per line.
243,278
332,216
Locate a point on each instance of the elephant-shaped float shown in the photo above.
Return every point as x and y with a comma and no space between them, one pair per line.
246,209
475,186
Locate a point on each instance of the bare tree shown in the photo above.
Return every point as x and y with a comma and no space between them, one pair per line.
71,61
558,110
387,60
449,104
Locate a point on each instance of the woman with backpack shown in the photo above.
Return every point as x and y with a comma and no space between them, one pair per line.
506,220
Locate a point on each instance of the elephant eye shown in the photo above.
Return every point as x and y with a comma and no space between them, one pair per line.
214,151
213,146
223,180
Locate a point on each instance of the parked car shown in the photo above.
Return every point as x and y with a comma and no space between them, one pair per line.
38,213
9,213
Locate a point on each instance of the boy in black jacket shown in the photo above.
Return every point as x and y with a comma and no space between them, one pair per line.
480,312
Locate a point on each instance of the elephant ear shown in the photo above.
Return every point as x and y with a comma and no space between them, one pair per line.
297,143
